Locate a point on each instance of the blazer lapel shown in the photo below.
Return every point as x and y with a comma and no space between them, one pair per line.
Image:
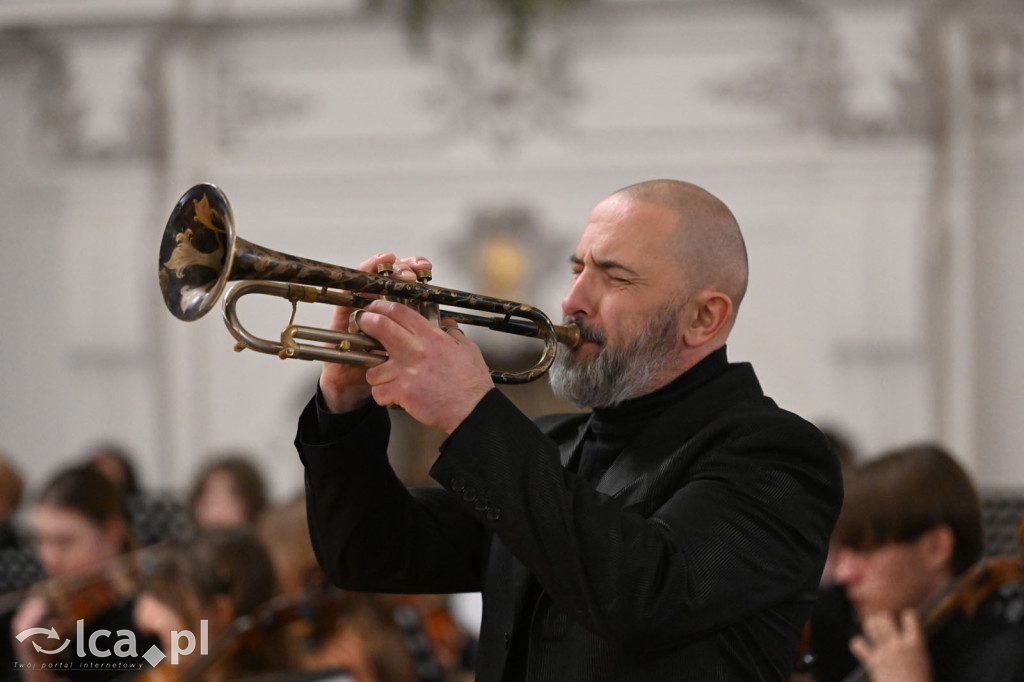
643,462
524,586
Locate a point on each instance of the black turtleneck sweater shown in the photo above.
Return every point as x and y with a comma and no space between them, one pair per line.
610,429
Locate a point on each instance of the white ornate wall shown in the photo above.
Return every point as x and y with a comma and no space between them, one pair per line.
871,150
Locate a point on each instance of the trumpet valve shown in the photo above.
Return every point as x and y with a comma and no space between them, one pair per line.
387,270
424,275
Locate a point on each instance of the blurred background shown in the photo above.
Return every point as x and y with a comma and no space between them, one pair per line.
872,151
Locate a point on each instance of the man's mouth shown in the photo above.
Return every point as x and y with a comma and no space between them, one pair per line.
589,335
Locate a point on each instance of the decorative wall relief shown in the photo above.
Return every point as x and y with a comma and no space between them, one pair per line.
482,93
517,17
818,87
245,104
998,74
94,98
55,112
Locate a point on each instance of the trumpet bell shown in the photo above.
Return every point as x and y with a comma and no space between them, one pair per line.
196,252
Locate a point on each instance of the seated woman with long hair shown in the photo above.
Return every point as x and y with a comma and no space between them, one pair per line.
81,535
210,582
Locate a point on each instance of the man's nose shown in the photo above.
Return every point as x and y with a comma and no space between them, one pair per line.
580,299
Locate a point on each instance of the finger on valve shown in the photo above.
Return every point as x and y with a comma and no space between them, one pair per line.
341,315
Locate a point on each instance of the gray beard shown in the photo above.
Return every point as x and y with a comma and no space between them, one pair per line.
613,376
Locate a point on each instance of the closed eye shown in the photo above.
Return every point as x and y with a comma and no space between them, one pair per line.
576,265
625,275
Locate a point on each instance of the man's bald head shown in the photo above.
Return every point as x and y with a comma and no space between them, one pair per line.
710,246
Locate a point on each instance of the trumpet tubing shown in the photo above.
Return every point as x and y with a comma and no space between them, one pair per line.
200,254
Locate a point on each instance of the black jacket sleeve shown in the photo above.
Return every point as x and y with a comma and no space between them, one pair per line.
371,533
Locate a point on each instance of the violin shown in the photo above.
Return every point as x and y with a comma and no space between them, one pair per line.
84,594
446,637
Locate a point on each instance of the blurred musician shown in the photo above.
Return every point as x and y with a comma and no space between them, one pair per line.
12,486
79,530
370,637
154,516
229,491
911,526
219,576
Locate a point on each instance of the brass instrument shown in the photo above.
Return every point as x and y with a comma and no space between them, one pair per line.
200,254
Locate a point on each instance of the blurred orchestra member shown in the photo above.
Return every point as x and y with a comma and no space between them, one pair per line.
80,532
115,463
354,632
283,530
12,487
229,491
911,524
154,517
217,576
18,566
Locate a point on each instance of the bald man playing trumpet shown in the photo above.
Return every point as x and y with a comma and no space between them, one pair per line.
676,531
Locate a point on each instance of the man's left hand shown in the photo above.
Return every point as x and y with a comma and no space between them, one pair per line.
437,376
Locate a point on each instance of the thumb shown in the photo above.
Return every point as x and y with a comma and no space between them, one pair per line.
448,325
455,332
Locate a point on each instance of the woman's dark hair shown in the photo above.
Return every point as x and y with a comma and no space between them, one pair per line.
114,454
85,490
12,485
220,561
903,494
245,478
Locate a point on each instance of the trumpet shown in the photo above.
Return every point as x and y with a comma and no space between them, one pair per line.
200,253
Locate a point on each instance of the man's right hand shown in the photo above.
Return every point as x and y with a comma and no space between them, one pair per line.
343,386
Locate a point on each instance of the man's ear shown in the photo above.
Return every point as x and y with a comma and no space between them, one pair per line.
709,313
937,547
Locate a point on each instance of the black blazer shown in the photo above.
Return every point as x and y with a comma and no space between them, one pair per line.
697,556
